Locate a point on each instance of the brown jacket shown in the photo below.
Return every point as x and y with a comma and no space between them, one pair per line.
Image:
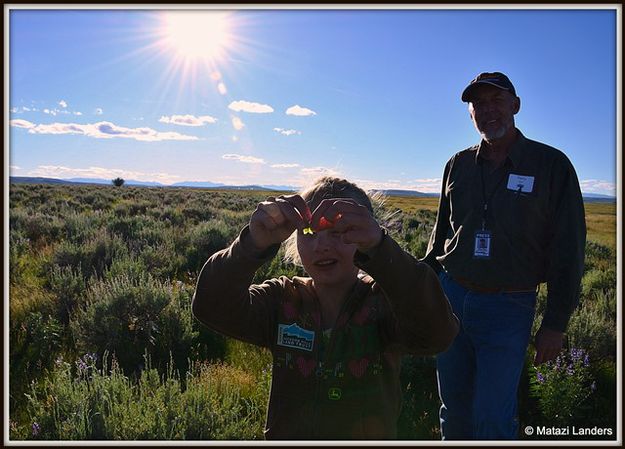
343,385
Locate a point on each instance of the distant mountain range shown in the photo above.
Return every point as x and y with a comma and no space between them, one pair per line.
132,182
589,197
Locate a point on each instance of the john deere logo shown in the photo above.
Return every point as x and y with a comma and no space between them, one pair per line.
334,394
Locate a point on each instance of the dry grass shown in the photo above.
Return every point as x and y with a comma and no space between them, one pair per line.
600,216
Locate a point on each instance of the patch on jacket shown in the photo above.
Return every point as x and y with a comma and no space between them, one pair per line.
293,336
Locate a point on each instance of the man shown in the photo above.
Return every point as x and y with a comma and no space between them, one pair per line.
510,217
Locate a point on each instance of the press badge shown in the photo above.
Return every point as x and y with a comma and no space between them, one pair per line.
518,183
482,244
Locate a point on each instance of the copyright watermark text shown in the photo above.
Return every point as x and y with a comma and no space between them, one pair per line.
551,431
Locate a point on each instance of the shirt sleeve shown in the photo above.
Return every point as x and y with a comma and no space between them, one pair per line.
422,321
439,234
225,300
567,247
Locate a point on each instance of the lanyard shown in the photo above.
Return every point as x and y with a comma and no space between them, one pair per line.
490,197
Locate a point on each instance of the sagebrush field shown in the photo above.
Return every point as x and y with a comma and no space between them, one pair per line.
103,345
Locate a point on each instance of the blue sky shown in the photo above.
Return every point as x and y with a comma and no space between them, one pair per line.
278,97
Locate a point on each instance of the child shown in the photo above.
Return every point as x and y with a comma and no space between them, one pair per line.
336,337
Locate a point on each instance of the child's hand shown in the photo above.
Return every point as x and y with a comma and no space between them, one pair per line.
352,220
275,219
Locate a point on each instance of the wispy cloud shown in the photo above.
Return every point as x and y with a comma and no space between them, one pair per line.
300,111
286,132
248,106
598,186
187,120
22,109
425,185
63,103
237,123
19,123
58,171
317,172
244,159
14,167
101,130
285,165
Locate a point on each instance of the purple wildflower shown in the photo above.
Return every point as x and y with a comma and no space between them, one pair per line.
569,370
586,361
36,428
540,378
558,363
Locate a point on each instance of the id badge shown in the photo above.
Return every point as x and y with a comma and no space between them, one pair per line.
481,247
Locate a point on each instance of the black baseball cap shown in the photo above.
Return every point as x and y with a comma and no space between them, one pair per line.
496,79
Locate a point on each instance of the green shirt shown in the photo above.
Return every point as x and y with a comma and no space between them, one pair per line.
536,220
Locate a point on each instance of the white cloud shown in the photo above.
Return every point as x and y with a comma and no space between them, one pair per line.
237,123
245,159
598,186
63,103
101,130
16,110
77,113
188,120
49,111
14,167
19,123
427,185
317,172
300,111
58,171
98,111
248,106
286,132
285,165
221,88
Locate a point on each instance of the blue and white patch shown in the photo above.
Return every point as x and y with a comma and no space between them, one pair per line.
293,336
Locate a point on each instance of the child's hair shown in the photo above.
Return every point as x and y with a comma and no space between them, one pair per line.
324,188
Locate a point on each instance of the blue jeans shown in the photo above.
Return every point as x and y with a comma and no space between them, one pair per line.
478,376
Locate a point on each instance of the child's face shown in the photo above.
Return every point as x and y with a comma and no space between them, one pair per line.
327,259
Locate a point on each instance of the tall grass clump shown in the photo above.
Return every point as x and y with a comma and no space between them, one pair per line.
84,402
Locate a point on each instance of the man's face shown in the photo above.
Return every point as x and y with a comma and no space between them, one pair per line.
492,111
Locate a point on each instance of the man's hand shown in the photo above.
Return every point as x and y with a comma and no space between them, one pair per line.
548,345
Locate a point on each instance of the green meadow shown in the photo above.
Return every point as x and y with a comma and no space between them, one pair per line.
103,345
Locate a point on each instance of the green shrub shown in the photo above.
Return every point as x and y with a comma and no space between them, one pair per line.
205,239
68,285
162,261
130,317
93,256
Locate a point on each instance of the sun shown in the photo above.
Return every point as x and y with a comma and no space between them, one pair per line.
197,34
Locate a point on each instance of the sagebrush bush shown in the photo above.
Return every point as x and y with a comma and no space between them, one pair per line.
121,315
93,256
205,239
68,285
